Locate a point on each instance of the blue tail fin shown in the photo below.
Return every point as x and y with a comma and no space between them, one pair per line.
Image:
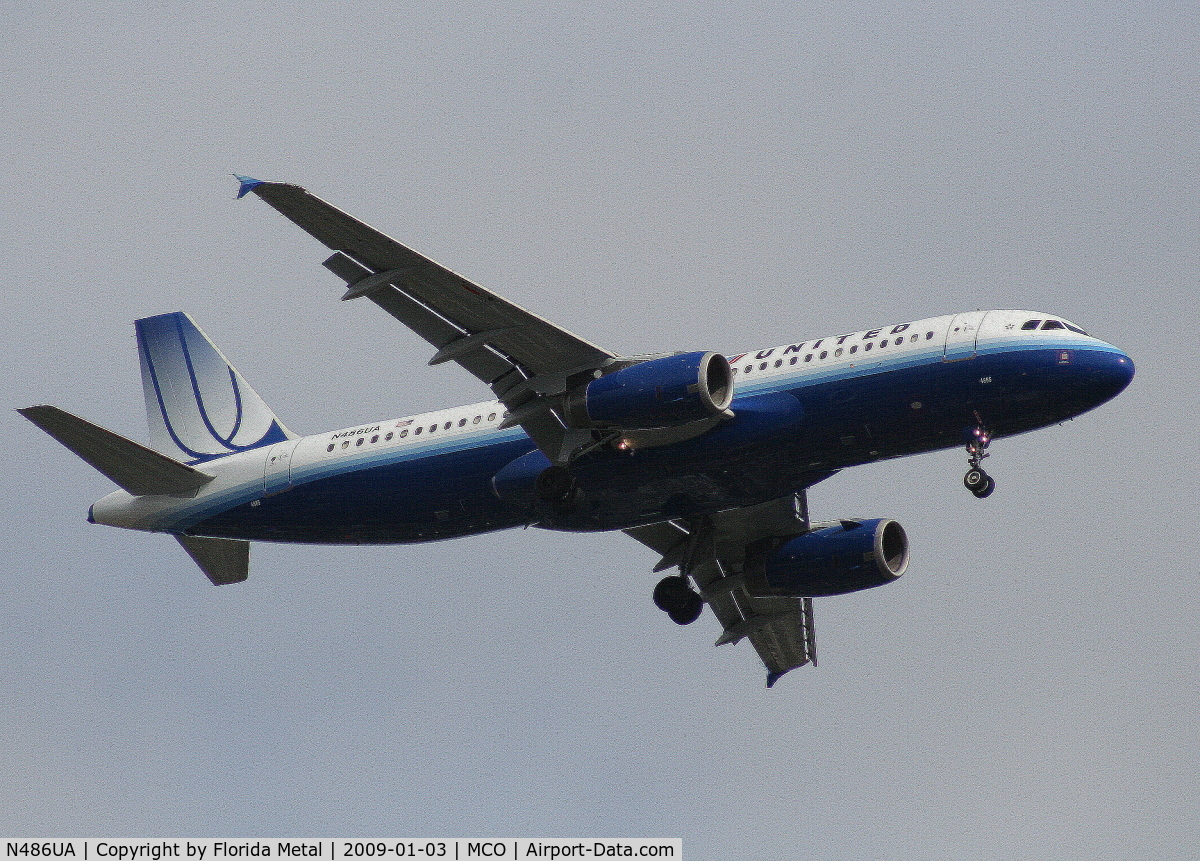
198,406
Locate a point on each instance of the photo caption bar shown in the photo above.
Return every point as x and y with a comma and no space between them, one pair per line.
341,848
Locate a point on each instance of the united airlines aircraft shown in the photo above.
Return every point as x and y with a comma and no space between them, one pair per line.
704,457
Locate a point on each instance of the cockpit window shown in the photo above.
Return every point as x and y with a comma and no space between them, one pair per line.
1031,324
1075,328
1052,324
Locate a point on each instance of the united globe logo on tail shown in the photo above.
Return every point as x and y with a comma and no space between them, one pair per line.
198,406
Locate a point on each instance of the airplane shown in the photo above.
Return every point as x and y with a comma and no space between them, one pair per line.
704,457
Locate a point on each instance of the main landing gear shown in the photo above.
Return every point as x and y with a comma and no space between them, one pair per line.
976,480
678,600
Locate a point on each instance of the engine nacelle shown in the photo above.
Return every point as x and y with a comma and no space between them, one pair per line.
833,560
665,392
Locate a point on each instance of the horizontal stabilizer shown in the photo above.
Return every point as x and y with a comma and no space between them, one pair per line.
223,560
135,468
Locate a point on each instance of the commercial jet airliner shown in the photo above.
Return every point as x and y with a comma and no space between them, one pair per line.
704,457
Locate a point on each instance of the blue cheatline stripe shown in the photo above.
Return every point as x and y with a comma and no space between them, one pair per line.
184,518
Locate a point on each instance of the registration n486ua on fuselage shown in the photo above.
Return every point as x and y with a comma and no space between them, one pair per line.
705,457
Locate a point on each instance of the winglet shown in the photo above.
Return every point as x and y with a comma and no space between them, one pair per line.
248,184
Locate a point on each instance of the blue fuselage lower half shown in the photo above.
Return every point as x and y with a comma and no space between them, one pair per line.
790,430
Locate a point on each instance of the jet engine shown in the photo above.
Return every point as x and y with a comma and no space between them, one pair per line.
831,560
657,393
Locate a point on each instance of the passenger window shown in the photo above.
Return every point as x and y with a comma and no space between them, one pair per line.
374,439
763,366
404,433
433,428
837,352
1052,324
793,361
929,336
808,358
346,444
824,353
883,343
1029,325
778,362
476,420
491,417
358,441
748,369
447,425
330,448
854,348
388,438
868,346
462,423
417,431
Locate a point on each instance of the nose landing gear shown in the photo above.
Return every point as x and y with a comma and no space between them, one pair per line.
976,480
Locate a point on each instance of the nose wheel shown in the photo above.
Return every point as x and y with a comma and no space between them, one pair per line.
976,480
979,483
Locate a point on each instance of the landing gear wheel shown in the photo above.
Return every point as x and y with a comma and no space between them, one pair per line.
976,480
675,597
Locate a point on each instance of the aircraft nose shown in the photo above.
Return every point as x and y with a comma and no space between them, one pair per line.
1111,372
1122,371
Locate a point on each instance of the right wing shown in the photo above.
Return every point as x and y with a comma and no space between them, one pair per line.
712,551
524,359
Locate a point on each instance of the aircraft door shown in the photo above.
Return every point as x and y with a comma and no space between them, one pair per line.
277,471
962,335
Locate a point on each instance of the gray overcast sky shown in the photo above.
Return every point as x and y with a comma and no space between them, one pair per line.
702,176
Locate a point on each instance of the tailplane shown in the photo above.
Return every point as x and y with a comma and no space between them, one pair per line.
197,404
134,468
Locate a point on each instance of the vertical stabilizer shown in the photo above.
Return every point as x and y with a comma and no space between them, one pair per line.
197,404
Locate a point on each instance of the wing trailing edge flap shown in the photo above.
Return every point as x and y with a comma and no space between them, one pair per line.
523,358
712,551
133,467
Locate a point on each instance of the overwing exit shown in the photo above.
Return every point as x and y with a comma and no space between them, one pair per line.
703,456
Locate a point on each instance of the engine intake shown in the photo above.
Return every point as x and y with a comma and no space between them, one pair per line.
665,392
833,560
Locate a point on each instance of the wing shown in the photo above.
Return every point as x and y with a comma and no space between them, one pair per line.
713,552
525,360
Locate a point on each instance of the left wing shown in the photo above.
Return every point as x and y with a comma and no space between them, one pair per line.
525,360
713,552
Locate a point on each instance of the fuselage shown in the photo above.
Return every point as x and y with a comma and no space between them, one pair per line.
802,411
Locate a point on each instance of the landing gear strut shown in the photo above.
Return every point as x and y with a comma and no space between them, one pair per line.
976,480
676,598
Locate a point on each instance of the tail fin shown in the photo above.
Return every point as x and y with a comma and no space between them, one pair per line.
197,404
